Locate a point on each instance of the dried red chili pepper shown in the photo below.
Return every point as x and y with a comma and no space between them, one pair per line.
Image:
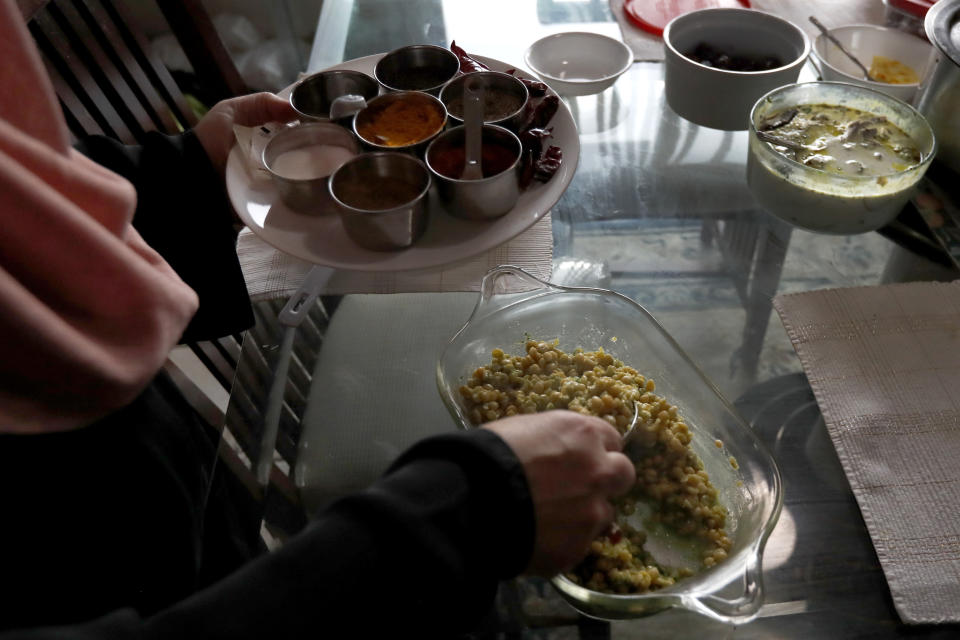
538,164
468,64
539,113
540,109
548,164
533,139
545,111
534,87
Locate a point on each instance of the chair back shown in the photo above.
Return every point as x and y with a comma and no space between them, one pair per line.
105,75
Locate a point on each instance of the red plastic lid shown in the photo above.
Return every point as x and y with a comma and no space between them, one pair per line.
653,15
917,8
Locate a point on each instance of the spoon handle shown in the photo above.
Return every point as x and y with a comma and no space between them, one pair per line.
831,38
473,130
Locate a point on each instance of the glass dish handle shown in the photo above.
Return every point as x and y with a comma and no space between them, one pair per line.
739,610
488,288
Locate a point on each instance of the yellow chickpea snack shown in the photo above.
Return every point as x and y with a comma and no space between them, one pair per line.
671,479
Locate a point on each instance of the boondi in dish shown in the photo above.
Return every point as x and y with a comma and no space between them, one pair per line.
670,476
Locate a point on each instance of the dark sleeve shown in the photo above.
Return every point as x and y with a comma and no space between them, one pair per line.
184,214
419,554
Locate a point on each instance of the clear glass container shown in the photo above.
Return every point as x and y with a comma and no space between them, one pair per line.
751,490
824,201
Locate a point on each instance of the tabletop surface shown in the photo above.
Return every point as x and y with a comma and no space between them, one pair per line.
658,210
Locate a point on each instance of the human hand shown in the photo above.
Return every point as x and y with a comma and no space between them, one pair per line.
215,129
573,465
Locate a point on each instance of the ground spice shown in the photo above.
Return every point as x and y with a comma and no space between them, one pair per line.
400,122
449,160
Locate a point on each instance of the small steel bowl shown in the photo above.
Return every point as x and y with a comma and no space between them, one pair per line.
363,121
312,96
490,197
306,191
499,89
382,199
420,67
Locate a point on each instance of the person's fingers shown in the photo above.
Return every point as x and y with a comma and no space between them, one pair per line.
603,514
260,108
565,531
622,475
609,436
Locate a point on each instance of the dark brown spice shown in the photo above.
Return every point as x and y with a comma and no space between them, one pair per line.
380,194
497,105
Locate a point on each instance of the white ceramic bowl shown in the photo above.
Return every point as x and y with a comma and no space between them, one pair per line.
865,41
720,98
578,63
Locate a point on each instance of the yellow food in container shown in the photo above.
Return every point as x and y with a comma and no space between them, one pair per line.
671,479
883,69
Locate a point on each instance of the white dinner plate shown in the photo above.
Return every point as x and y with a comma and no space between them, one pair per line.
322,239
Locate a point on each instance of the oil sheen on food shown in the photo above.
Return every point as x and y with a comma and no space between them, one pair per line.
842,140
859,167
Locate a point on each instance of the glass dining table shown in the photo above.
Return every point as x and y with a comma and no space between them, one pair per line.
658,210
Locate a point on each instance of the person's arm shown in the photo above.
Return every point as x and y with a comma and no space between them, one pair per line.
422,550
183,213
420,553
182,207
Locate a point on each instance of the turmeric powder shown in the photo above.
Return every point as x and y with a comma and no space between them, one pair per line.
402,121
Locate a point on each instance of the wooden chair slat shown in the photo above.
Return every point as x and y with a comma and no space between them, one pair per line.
79,119
107,33
160,78
198,37
95,53
53,42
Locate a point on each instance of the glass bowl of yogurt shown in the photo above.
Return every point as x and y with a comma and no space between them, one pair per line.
835,158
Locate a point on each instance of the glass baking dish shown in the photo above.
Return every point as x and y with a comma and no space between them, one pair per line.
731,591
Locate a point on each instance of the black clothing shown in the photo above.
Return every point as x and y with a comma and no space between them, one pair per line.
183,214
418,555
125,525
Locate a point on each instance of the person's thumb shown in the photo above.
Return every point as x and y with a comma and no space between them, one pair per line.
260,108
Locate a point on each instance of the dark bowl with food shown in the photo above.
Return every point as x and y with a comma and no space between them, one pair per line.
312,97
504,98
718,62
420,67
400,121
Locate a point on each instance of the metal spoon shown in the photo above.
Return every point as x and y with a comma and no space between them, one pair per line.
628,434
473,129
831,38
772,139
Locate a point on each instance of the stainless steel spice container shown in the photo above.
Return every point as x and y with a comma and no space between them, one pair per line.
382,199
938,98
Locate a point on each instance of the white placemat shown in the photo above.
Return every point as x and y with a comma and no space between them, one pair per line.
271,274
884,364
833,13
